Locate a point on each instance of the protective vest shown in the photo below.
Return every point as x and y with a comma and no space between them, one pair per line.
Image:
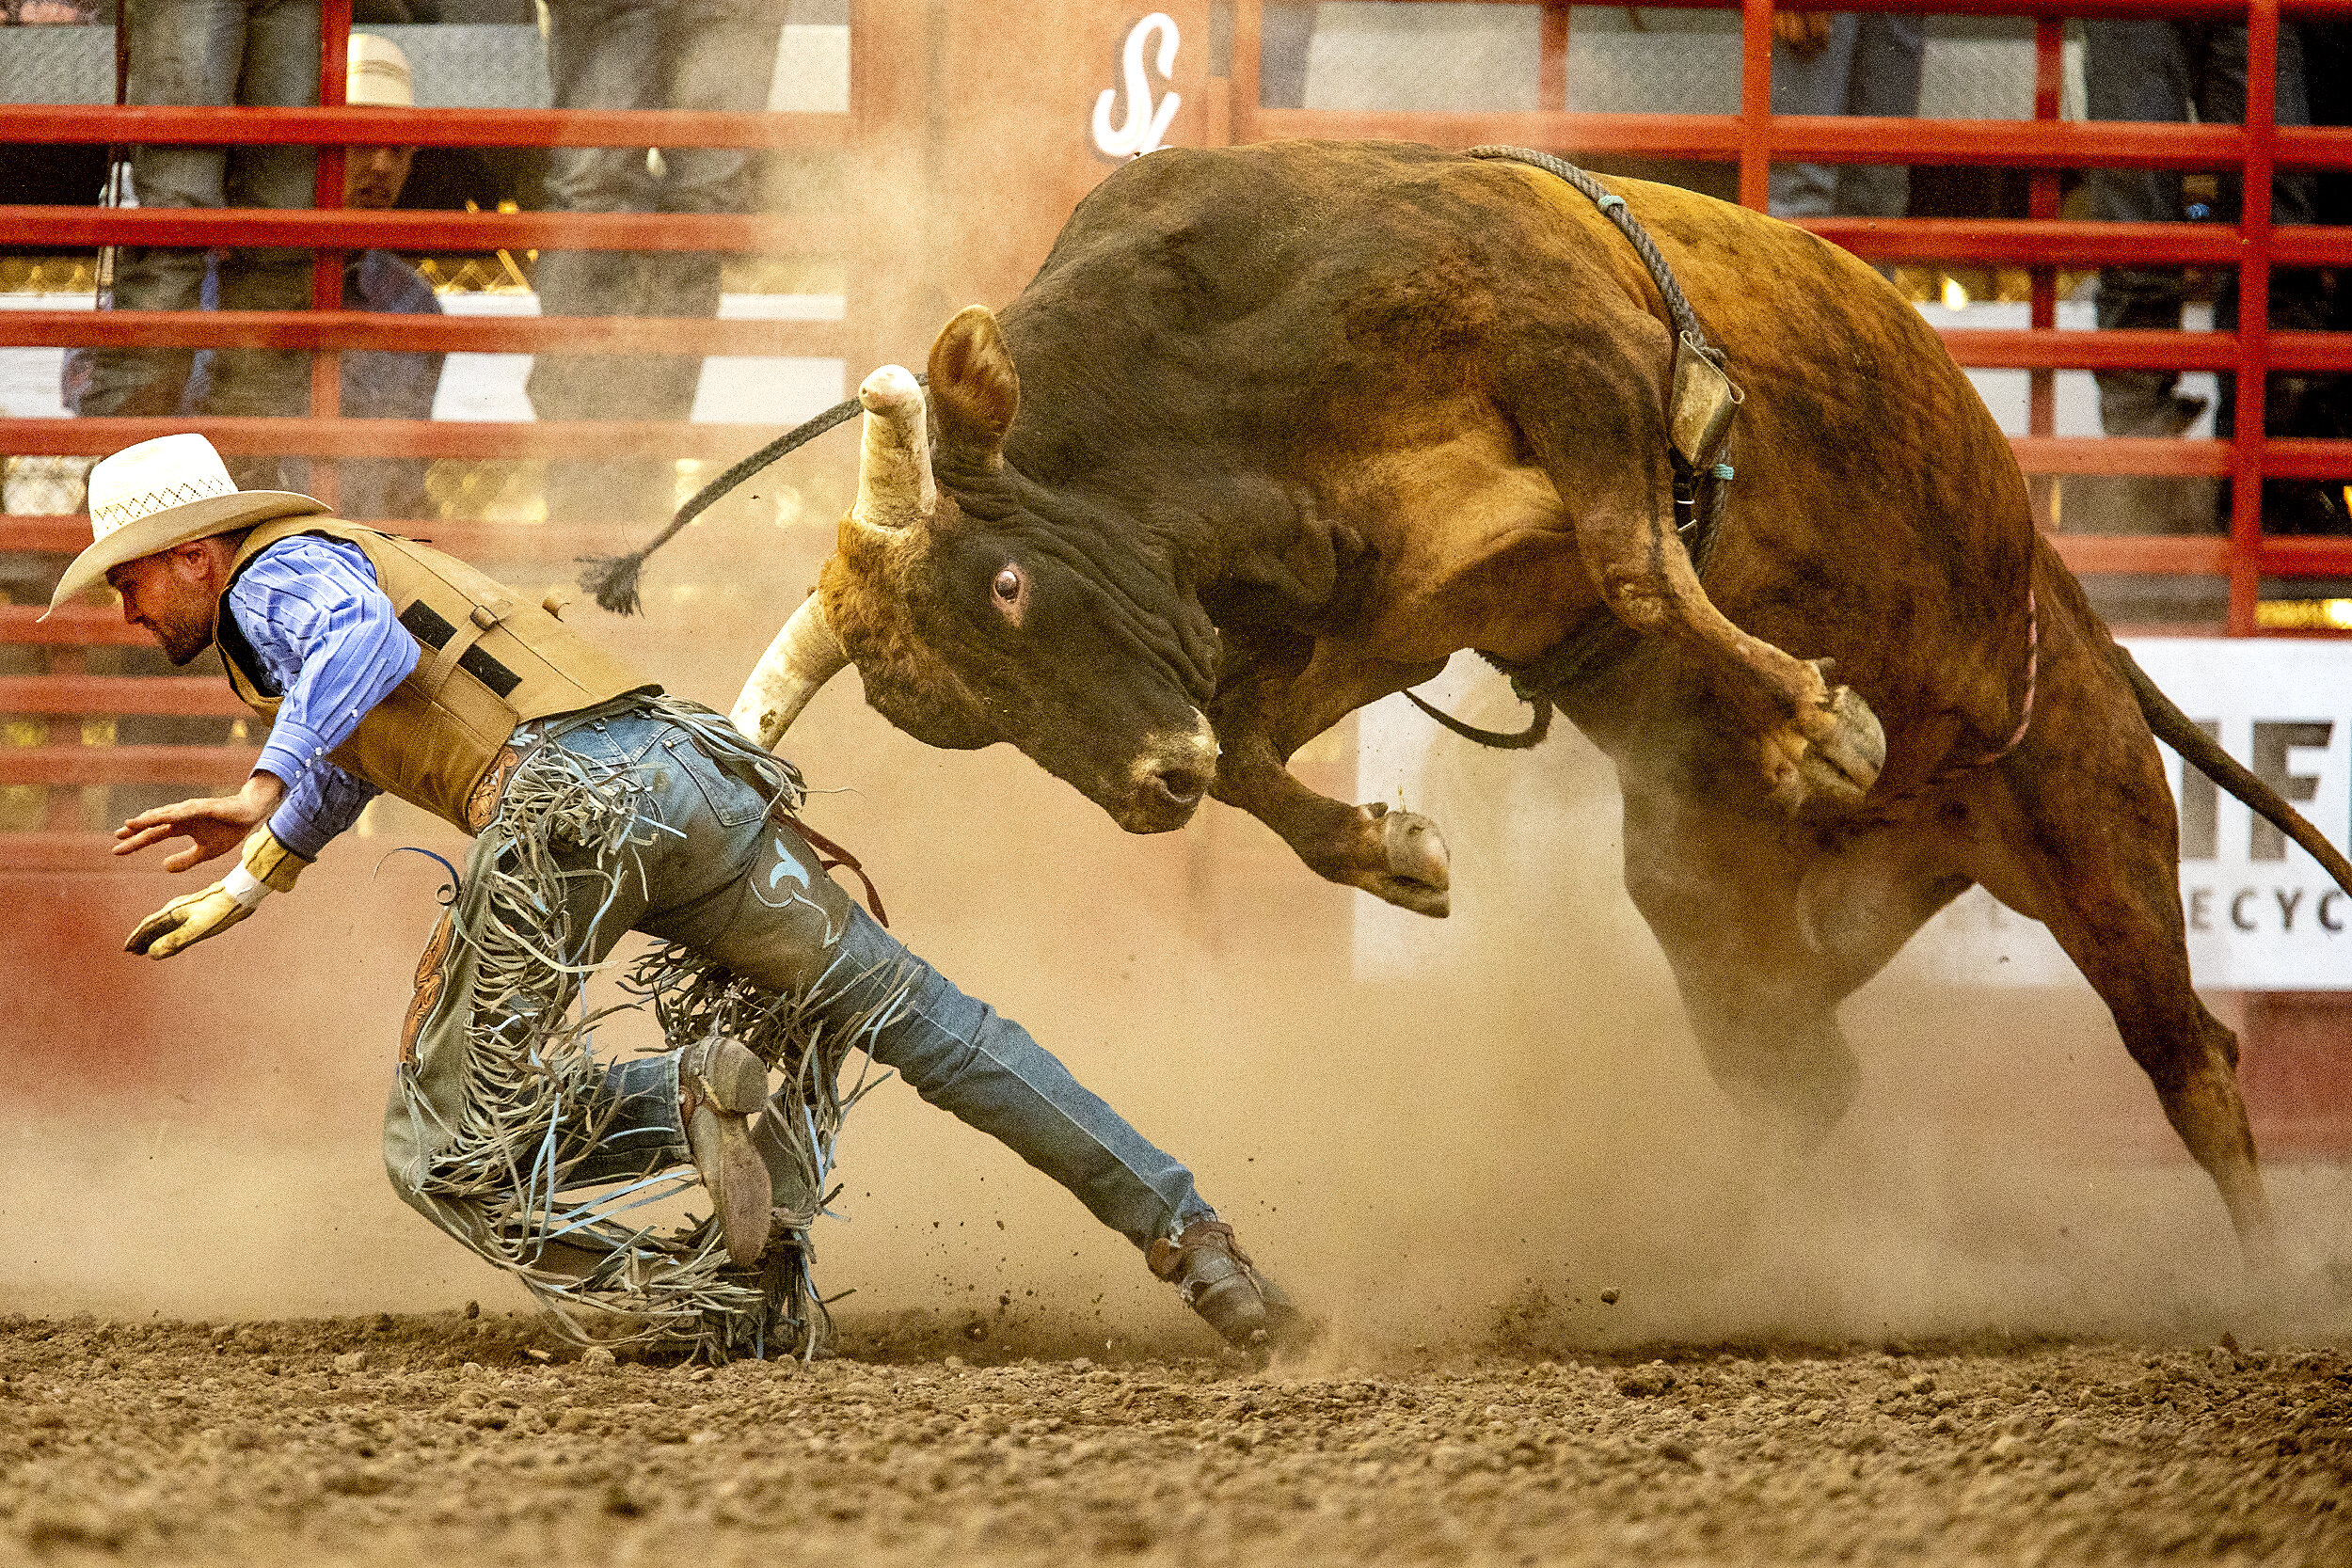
490,661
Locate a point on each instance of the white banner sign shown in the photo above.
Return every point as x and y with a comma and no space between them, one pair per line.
2261,914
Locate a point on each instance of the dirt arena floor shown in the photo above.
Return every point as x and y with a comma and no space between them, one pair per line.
449,1440
1577,1314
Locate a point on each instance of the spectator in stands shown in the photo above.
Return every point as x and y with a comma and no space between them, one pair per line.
716,55
375,385
1844,63
2160,71
260,52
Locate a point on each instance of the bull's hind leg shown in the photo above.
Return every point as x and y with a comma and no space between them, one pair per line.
1768,933
2092,850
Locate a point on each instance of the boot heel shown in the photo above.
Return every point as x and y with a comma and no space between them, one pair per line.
722,1087
729,1076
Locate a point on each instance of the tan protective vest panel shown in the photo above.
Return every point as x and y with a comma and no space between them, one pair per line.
491,659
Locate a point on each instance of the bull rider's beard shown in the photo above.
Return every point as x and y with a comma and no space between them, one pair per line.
184,635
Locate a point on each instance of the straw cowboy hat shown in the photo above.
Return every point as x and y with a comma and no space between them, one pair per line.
377,75
160,493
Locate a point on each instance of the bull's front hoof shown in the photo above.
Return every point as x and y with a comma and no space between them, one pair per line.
1830,756
1413,869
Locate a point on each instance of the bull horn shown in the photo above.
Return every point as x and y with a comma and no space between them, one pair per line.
894,487
804,656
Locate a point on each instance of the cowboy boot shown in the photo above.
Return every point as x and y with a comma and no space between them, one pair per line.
1217,1280
722,1087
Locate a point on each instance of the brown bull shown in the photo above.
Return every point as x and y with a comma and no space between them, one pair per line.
1277,429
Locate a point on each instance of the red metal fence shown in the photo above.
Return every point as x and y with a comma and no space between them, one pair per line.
872,131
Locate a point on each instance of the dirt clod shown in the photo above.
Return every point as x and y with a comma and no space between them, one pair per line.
1646,1382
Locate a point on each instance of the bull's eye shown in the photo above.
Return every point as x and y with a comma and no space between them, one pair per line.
1010,591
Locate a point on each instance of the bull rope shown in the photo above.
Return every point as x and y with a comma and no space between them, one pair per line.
1696,521
2033,680
1699,495
1878,810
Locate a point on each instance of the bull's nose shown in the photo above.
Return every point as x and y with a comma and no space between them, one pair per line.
1169,778
1179,784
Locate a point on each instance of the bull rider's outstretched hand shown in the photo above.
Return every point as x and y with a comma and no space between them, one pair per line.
216,824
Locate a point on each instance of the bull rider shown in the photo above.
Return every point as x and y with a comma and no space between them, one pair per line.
599,805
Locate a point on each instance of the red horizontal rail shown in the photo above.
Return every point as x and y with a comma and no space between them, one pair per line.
2019,143
2307,558
379,330
2300,457
2015,241
86,625
2040,454
2024,144
2199,555
2031,241
2015,143
1993,348
395,437
2045,144
1651,136
1853,138
48,853
474,540
184,695
53,531
350,229
2308,247
2120,454
369,127
369,331
122,765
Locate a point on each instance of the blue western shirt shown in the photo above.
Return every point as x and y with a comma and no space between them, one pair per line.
326,639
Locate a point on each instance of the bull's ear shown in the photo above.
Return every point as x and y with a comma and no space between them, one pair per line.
975,389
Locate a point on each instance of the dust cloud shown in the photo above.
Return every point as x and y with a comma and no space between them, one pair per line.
1513,1136
1509,1136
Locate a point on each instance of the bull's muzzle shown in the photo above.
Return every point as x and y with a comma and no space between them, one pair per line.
1170,779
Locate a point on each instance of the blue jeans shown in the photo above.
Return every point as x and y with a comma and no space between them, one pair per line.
717,872
716,55
1870,66
208,52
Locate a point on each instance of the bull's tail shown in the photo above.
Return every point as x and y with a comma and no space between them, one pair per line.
2202,753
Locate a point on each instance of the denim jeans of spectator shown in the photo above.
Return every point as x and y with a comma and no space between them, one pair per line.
2158,71
712,55
703,869
1870,66
255,52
